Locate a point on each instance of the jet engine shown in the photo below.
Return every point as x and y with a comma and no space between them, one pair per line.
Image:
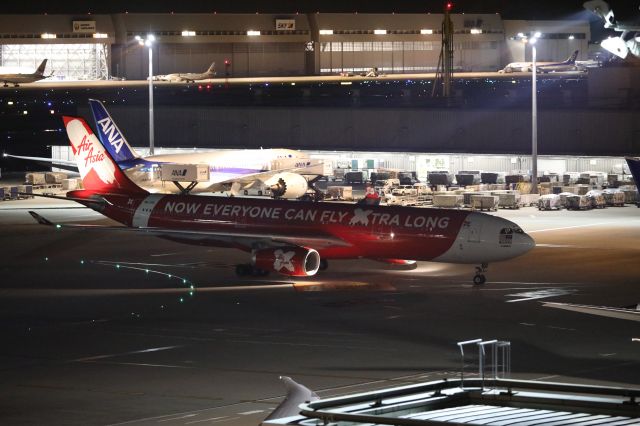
287,185
289,260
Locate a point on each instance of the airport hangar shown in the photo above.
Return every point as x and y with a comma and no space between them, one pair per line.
489,113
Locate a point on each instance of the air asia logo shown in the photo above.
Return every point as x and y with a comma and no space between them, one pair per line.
360,217
182,172
88,152
90,158
283,260
111,132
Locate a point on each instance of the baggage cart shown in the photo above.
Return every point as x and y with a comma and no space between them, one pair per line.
440,178
529,199
509,200
597,199
54,177
563,198
613,197
578,202
35,179
484,202
465,180
449,201
25,191
70,184
549,202
630,196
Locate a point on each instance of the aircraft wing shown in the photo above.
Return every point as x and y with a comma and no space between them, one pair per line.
603,311
240,237
50,162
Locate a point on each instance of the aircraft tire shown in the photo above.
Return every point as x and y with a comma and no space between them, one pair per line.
479,279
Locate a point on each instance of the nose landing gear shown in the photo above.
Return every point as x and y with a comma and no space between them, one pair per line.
479,278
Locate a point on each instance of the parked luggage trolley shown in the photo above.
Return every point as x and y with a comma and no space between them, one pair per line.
549,202
577,202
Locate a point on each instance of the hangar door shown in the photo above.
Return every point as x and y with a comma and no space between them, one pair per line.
69,61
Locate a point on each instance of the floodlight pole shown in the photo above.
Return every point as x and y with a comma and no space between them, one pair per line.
151,141
534,123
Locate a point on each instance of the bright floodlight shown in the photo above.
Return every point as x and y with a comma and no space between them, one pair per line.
537,34
521,35
151,37
426,31
533,40
476,31
326,32
188,33
571,37
380,32
138,38
253,33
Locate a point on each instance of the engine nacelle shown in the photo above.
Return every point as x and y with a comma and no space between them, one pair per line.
287,185
289,260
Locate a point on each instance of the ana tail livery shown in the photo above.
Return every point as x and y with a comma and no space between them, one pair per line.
16,79
293,238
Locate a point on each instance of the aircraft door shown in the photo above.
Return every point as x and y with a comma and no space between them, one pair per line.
473,232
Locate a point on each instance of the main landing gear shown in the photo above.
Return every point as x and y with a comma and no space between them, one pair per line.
246,269
479,278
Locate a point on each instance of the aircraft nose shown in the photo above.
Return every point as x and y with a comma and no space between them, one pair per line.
524,242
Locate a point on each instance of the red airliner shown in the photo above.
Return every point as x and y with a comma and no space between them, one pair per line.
293,238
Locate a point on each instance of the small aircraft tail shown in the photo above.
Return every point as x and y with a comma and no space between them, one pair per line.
97,168
211,69
634,168
572,59
41,67
110,135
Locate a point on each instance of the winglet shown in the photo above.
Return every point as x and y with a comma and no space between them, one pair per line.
41,220
296,395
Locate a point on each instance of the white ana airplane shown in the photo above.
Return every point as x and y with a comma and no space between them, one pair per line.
568,65
16,79
285,172
189,77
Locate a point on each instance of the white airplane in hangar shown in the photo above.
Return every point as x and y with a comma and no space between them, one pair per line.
567,65
285,172
188,77
18,78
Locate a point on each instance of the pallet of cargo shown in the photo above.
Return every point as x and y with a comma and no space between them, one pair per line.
484,202
614,197
578,202
549,202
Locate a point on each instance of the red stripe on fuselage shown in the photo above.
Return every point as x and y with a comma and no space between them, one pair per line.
371,231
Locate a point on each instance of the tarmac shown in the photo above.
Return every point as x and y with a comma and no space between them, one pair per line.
107,328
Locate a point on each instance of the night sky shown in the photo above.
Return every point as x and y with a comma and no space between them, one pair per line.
510,9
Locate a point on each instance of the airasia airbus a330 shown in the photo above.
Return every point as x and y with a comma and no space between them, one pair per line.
293,238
